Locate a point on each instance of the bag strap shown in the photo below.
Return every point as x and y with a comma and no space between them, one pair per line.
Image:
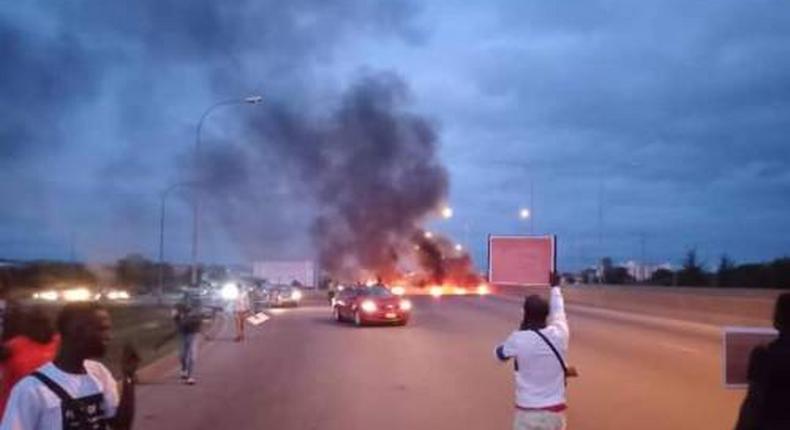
53,386
554,350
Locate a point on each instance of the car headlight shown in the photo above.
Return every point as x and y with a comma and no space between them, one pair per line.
369,306
77,295
229,292
118,295
296,295
405,305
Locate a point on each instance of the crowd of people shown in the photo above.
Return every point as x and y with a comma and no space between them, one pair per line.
52,379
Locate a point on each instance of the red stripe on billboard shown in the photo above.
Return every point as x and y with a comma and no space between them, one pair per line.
521,260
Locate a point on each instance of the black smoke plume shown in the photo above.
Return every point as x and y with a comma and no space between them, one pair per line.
369,168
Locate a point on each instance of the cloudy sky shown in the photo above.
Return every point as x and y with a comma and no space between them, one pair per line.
643,128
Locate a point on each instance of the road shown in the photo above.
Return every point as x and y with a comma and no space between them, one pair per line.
300,370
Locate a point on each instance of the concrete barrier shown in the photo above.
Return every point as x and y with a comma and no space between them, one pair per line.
707,305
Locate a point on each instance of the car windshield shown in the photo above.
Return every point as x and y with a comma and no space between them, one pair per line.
375,292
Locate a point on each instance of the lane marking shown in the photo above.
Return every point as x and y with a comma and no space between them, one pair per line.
679,347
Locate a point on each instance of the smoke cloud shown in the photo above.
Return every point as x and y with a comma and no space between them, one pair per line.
369,169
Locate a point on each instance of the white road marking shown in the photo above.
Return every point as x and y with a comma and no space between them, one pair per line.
679,347
258,318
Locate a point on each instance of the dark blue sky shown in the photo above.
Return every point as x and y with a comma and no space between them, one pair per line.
673,116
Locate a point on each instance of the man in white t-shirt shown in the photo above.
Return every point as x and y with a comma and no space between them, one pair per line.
539,349
241,310
73,392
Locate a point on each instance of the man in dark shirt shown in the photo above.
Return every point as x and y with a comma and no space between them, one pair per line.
768,398
188,319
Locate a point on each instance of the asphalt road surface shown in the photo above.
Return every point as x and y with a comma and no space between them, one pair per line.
301,370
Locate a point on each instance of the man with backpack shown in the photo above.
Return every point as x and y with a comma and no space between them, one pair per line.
539,349
189,320
74,392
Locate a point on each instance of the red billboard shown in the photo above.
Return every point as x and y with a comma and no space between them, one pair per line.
521,260
737,346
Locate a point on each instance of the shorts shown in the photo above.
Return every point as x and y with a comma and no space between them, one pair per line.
539,420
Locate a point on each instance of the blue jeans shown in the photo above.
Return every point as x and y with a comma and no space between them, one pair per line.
188,352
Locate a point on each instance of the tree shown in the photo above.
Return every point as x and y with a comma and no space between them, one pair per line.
606,269
692,274
663,277
724,274
136,272
618,275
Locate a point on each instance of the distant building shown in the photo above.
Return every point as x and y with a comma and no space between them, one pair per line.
643,272
286,272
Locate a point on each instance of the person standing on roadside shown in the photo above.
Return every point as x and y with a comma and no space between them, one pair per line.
766,404
539,349
189,320
74,392
22,354
241,310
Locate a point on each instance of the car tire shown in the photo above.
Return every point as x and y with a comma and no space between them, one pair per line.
358,319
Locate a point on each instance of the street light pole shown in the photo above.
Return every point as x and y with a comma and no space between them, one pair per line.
531,204
163,198
196,203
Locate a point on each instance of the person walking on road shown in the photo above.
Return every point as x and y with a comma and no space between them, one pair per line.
22,354
189,320
766,404
73,392
241,310
539,349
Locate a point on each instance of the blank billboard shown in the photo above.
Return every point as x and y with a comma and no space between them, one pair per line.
737,346
521,260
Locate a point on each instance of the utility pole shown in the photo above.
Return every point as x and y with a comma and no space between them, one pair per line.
643,258
532,203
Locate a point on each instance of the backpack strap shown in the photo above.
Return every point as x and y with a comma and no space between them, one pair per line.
554,350
53,386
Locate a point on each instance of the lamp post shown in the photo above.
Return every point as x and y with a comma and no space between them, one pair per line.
196,204
525,214
163,199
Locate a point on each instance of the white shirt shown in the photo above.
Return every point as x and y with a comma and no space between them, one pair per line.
242,302
540,381
33,406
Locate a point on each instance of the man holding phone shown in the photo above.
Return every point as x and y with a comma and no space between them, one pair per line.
539,349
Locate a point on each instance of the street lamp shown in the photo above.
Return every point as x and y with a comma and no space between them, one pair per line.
459,247
428,235
447,212
526,215
253,100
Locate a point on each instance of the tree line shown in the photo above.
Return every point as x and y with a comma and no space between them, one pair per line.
692,273
134,273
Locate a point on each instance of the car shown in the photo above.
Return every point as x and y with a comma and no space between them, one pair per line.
277,296
371,305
